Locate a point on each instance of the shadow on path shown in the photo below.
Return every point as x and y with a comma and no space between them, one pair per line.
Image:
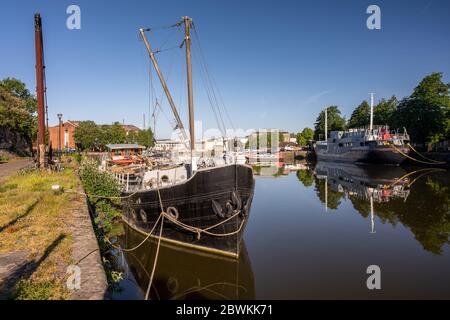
25,270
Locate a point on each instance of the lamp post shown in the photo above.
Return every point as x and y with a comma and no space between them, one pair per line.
59,135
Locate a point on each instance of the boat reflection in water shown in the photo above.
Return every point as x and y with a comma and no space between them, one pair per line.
362,184
374,183
188,274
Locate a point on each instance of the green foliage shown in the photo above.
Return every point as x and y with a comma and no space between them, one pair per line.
96,182
335,122
19,90
17,108
145,138
99,184
116,134
88,135
7,187
3,158
384,112
426,112
106,215
131,137
263,140
78,157
306,177
304,137
360,117
27,290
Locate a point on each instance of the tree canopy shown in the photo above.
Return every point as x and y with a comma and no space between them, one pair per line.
335,122
17,108
304,137
384,112
426,112
90,136
360,117
145,138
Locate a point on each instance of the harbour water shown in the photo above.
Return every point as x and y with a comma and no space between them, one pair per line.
312,234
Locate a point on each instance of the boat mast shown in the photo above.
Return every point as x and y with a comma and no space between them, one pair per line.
371,111
163,83
187,26
326,127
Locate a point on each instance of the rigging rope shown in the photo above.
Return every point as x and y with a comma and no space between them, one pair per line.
211,87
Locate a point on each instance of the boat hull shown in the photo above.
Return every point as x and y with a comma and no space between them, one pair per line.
185,274
219,196
376,155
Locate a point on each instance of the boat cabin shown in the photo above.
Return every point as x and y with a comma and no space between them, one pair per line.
124,153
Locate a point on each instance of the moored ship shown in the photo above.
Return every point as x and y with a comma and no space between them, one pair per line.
376,145
190,202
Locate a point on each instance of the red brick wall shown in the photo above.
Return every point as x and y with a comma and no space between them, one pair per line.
54,139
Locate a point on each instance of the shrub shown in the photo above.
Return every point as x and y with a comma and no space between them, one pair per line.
100,186
97,184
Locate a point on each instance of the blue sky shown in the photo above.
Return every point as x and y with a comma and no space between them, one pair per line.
276,63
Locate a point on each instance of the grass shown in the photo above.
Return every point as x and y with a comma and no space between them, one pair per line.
4,158
36,220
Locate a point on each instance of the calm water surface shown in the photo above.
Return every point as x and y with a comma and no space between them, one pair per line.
312,234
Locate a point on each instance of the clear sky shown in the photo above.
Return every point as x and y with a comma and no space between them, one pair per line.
276,63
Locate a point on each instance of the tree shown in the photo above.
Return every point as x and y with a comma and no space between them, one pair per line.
145,138
360,117
425,114
304,137
116,133
88,135
18,89
132,137
263,140
335,122
384,111
17,108
306,177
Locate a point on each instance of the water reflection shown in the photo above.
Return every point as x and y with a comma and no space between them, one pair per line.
418,199
394,217
188,274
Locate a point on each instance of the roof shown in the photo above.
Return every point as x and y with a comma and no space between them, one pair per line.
124,146
74,123
130,127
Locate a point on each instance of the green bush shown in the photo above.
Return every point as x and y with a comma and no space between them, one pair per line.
97,184
100,186
78,157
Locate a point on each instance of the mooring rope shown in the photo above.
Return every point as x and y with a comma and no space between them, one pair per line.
409,157
101,197
421,155
423,174
407,175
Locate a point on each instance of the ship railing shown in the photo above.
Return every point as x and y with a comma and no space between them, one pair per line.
129,181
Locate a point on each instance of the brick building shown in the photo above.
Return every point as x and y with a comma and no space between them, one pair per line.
67,135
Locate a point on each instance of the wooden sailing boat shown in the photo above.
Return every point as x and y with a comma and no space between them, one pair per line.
207,210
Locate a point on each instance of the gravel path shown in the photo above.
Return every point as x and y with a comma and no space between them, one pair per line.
11,167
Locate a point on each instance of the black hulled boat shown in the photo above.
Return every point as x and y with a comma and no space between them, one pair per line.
209,208
219,196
